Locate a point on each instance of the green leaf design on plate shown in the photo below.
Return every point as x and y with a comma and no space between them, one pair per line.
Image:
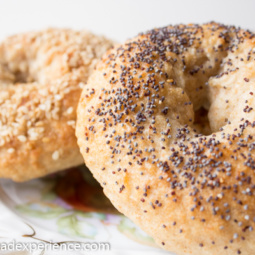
49,196
39,211
71,225
100,216
128,228
83,214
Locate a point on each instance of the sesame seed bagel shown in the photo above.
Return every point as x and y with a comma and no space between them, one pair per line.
139,129
41,77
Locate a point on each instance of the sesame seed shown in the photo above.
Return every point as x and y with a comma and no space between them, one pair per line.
55,155
22,138
11,150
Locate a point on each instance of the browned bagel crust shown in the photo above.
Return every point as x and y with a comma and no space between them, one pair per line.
41,75
194,194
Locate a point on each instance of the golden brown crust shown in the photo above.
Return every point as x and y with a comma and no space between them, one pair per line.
194,194
41,76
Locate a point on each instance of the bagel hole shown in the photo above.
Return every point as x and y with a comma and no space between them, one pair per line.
22,77
201,122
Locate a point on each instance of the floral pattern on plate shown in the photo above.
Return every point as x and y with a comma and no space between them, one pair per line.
71,206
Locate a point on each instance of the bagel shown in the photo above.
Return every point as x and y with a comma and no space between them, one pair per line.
41,76
193,192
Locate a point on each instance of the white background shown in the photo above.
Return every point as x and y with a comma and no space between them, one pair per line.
120,19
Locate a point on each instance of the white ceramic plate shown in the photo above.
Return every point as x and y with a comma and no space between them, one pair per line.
67,207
